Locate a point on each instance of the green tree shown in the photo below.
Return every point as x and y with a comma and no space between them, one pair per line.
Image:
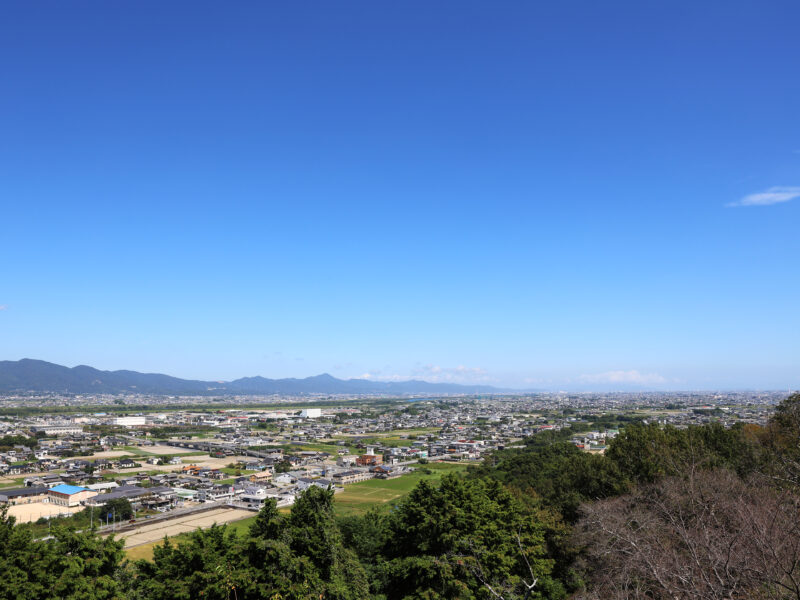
120,508
645,453
463,539
562,475
300,556
71,566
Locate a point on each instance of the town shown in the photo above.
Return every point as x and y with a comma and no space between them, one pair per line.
168,470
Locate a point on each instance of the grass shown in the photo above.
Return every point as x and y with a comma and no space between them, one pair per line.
18,482
330,448
357,498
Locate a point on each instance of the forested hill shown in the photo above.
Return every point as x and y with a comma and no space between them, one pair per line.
29,375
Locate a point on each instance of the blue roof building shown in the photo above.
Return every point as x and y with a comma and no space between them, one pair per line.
68,495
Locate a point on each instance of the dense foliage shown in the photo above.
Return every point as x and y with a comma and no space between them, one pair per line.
71,566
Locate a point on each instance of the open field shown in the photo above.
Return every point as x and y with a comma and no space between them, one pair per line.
104,454
357,498
156,531
11,481
140,451
161,449
25,513
203,460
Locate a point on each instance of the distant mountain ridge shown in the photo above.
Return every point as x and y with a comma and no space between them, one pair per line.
28,375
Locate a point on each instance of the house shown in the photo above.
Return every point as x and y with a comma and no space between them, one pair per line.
256,497
216,493
103,486
384,472
131,492
46,480
369,460
211,473
261,476
127,463
345,477
285,478
304,483
161,498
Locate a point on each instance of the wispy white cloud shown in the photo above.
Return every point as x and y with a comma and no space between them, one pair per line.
434,374
3,306
774,195
627,377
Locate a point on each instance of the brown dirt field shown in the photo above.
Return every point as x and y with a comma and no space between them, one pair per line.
162,449
200,461
105,454
156,532
26,513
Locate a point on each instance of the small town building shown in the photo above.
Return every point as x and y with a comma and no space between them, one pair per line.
24,495
69,495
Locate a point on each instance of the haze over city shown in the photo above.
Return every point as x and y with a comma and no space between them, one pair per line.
525,197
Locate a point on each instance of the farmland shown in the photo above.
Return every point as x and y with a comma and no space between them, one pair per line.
357,498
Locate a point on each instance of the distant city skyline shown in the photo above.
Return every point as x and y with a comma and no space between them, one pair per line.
520,195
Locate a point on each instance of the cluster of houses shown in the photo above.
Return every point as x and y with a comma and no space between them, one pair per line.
72,482
594,442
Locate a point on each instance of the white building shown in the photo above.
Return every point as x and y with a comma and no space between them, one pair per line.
129,421
311,413
57,429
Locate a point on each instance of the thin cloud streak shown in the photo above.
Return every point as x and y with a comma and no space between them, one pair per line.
774,195
633,376
435,374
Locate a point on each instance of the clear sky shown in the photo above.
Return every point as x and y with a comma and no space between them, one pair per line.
554,195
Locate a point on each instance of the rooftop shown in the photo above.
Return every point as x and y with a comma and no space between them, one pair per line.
67,489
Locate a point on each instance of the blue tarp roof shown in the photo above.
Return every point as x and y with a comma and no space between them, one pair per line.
67,489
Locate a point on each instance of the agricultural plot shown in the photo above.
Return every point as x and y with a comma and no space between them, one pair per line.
357,498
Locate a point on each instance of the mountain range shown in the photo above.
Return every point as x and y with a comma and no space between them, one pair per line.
28,375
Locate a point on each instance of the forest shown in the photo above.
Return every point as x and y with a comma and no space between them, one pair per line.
705,512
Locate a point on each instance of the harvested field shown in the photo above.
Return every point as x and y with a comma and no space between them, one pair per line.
25,513
200,461
162,449
105,454
155,532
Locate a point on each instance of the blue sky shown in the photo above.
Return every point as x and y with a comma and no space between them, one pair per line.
573,195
